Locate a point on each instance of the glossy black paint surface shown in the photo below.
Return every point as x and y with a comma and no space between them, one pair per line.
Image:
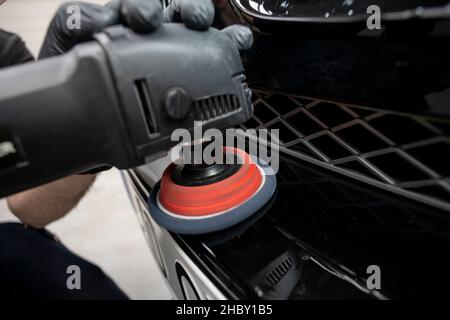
332,230
346,9
403,67
321,231
409,77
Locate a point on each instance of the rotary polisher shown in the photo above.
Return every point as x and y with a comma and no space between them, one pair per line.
218,195
116,101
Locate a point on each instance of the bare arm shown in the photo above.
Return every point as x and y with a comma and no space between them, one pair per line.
47,203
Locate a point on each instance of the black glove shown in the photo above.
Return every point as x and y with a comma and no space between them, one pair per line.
140,15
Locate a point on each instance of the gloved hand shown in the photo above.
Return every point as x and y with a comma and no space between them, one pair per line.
140,15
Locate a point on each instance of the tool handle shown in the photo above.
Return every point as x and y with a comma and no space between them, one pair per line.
58,116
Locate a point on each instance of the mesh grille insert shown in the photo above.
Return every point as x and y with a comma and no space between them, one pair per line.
400,129
357,167
285,133
332,148
434,155
361,138
304,123
286,104
403,153
330,114
303,149
264,114
397,167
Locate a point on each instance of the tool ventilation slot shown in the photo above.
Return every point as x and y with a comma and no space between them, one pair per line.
214,107
275,276
143,97
407,154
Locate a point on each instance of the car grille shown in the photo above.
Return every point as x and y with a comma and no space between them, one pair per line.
403,153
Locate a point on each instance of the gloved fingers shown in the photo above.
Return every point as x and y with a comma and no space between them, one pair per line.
196,14
241,35
140,15
75,22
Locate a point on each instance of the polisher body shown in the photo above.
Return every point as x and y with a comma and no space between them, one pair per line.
115,101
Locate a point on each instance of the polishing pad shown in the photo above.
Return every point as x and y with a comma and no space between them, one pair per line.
198,209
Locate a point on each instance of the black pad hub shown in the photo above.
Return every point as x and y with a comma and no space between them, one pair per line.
204,174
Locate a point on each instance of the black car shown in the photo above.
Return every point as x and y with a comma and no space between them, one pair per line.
364,179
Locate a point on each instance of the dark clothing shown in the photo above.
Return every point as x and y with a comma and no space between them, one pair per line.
12,50
32,263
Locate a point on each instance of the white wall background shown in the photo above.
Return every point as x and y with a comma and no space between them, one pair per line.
103,228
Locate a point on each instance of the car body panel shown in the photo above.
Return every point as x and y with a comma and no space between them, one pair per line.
343,206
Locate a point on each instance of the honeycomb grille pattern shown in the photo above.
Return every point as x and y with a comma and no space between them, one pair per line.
406,154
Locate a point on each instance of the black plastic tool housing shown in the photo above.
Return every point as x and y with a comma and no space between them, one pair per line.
115,101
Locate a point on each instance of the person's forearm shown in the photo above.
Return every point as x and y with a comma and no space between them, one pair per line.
42,205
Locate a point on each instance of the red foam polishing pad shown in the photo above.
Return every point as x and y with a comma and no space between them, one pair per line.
215,197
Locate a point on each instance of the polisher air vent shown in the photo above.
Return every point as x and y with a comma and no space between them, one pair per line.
143,97
213,107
